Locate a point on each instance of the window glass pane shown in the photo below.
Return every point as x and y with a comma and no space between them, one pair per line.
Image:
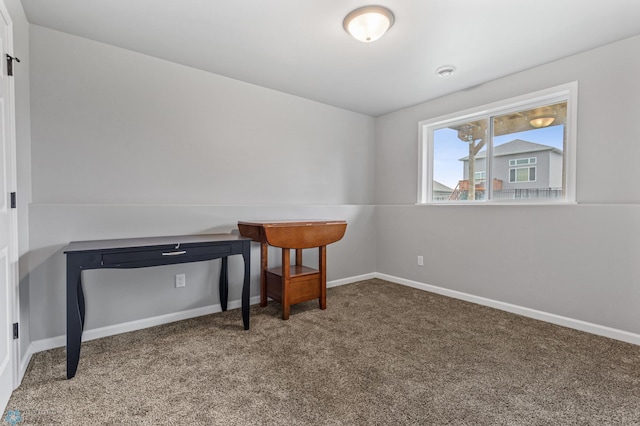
533,136
459,161
522,175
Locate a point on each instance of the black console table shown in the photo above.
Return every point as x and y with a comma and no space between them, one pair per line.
140,253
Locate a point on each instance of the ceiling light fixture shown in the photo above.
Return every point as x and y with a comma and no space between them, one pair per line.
543,121
445,71
368,23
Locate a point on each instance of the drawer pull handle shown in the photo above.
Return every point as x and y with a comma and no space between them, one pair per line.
174,253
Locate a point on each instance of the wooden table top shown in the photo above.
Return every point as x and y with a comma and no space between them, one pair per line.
307,222
298,234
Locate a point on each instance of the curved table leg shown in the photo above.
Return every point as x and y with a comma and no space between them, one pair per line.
286,283
246,287
224,283
322,254
264,262
75,316
81,307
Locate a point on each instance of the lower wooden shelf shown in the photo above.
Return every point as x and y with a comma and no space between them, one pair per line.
304,284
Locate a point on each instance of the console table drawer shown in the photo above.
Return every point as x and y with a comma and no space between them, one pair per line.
169,254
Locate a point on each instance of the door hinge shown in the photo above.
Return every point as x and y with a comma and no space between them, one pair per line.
13,200
10,60
15,330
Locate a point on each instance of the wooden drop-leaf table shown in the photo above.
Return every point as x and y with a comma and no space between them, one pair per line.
296,283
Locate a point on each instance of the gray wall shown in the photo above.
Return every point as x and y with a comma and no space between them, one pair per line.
125,144
114,126
579,261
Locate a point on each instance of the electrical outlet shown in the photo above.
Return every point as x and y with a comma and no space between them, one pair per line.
420,261
181,280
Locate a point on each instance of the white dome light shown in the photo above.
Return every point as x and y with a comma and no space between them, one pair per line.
368,23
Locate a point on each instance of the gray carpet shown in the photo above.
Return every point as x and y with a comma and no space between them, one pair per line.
381,354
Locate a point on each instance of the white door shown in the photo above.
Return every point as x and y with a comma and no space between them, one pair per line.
8,292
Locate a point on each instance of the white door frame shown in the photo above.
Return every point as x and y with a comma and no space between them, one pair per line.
11,172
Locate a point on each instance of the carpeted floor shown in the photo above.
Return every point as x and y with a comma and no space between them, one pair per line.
381,354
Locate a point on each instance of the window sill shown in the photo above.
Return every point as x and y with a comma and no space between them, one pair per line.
501,203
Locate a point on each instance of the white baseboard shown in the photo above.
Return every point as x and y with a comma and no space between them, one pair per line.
588,327
343,281
24,363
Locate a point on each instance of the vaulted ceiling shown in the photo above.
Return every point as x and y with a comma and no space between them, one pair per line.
300,47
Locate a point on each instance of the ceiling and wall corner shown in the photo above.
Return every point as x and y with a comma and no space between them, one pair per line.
301,48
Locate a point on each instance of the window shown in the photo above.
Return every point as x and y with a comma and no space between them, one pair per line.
481,176
522,174
522,161
518,149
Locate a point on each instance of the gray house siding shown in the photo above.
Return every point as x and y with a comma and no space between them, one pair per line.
481,166
546,161
501,169
555,170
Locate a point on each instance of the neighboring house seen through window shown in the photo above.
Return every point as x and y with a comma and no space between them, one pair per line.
518,149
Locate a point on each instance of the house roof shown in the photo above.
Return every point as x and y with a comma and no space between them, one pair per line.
437,186
516,146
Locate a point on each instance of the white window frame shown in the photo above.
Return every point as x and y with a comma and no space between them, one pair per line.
566,92
514,161
535,173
